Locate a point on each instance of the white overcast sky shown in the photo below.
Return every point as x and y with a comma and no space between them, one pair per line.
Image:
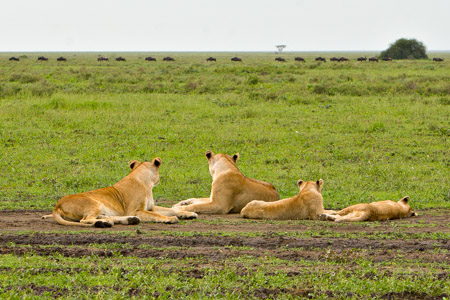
209,25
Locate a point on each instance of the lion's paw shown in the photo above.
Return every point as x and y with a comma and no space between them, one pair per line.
103,224
184,203
187,215
133,220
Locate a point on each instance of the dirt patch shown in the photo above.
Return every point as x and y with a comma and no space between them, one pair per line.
24,232
428,221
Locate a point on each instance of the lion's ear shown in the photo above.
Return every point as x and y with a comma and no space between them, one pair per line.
299,182
209,154
236,157
157,162
133,163
319,182
405,199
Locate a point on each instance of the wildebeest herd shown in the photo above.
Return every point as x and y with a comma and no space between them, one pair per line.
236,59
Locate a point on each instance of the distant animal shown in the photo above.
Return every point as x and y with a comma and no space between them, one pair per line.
168,58
386,59
14,58
128,202
120,58
236,59
280,59
61,58
307,204
102,58
42,58
149,58
373,59
334,59
320,58
298,58
361,59
210,59
230,191
438,59
375,211
343,59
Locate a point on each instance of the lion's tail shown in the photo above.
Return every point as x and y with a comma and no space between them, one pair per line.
58,218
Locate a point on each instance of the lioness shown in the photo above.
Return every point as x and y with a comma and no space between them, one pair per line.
375,211
230,191
127,202
307,204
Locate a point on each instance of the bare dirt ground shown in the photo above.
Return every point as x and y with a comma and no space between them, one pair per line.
225,236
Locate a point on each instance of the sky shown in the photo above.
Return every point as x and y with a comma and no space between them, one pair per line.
210,25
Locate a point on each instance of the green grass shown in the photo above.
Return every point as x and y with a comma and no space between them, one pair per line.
239,278
371,131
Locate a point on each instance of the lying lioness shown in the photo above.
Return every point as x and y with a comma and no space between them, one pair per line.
375,211
127,202
307,204
231,190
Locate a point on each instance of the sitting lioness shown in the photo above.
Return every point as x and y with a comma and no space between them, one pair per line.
375,211
307,204
230,191
127,202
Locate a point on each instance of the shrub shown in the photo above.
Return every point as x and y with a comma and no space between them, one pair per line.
404,49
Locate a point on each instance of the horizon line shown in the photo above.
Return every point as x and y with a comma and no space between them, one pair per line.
197,51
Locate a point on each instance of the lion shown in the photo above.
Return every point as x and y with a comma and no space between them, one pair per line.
128,202
307,204
230,191
375,211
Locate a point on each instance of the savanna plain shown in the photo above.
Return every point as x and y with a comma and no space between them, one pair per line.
371,131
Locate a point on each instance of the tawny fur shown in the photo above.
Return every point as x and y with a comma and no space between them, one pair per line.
230,191
307,204
375,211
129,201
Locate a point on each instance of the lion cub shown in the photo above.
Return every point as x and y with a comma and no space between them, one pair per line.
375,211
230,191
307,204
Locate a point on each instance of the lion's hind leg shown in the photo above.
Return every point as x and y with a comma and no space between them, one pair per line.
355,216
124,220
150,216
253,210
170,212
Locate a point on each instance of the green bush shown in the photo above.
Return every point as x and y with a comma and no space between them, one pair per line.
405,49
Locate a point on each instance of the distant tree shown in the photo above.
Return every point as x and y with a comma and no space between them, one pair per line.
404,48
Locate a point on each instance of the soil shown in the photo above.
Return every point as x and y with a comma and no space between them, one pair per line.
215,239
210,239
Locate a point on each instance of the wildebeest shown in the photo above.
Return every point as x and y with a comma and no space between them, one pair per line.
438,59
61,58
149,58
343,59
120,58
361,59
236,59
280,59
168,58
320,58
210,59
42,58
102,58
298,58
373,58
386,59
334,59
14,58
